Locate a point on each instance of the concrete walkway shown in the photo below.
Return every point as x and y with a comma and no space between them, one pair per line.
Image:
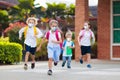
101,70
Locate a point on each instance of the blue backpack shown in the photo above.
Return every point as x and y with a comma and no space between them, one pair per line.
64,43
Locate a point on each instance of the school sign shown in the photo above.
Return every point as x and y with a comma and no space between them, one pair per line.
108,24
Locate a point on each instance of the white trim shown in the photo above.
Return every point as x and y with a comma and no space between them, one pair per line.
111,21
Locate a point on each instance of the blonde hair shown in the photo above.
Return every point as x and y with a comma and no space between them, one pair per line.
68,33
53,21
32,18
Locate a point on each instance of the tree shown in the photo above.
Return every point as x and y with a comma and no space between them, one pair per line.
4,18
54,9
22,10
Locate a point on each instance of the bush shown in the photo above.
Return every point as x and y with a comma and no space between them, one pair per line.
6,39
12,32
10,52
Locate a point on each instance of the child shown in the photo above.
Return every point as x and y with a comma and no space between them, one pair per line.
68,45
31,33
85,39
53,37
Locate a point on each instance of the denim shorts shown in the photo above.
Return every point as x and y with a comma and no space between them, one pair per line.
85,50
30,49
54,52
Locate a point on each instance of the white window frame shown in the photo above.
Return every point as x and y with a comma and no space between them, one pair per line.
111,21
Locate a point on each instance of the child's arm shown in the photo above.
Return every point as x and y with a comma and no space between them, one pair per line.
20,33
42,42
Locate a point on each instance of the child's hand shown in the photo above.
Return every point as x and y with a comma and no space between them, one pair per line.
70,46
20,38
38,48
63,48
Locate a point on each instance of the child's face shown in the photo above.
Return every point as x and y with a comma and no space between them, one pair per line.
69,37
53,26
31,23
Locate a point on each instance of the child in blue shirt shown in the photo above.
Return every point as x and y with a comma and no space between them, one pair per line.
68,45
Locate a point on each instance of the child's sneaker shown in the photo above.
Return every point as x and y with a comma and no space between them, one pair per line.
49,72
32,65
55,63
25,66
68,67
89,66
63,64
81,61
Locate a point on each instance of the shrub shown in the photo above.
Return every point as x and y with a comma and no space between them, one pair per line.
6,39
10,52
12,32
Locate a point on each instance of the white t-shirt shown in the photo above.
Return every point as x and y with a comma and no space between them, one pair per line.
65,47
85,40
52,36
30,39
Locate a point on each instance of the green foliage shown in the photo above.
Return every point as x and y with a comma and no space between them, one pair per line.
10,52
55,9
4,18
6,39
22,10
12,32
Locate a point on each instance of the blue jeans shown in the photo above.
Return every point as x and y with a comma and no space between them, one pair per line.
68,59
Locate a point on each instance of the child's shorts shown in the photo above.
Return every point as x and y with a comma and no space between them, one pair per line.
54,52
85,50
30,49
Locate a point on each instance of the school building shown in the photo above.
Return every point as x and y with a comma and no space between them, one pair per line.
108,25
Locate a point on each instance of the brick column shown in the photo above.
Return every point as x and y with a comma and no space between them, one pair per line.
81,15
103,29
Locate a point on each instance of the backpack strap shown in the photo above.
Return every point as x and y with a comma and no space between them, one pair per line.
64,43
26,28
25,31
83,32
72,44
47,35
56,34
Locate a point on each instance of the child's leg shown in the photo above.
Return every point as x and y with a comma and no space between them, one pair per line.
56,55
26,57
50,57
50,63
64,61
69,62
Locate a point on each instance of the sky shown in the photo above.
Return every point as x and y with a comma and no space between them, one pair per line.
43,2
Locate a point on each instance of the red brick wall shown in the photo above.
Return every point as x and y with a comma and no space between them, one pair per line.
104,29
116,51
81,15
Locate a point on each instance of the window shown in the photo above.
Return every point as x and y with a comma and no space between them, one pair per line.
116,22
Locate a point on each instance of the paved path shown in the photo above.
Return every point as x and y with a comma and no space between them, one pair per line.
101,70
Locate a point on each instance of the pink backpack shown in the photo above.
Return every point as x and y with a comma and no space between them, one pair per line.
56,34
83,32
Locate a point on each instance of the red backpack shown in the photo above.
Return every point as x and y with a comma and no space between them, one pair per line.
56,34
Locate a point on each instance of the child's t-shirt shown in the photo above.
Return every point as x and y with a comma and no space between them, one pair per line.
68,51
52,36
85,40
